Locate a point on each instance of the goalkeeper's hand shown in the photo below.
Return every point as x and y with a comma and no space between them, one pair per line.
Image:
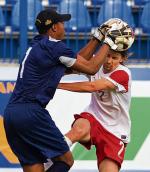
114,37
109,40
98,34
101,31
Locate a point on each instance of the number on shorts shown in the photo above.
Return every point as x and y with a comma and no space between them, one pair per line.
121,149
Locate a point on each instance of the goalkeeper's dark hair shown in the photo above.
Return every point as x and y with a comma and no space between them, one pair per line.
41,30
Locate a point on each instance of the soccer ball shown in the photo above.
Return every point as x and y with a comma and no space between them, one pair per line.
121,33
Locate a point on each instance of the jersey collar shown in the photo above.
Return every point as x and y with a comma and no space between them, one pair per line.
52,39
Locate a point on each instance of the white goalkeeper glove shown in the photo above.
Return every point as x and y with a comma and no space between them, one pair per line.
115,37
98,34
109,41
101,31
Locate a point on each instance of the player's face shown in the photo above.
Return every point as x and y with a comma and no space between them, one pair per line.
60,30
112,61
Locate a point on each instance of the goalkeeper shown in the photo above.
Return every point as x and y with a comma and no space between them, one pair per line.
105,122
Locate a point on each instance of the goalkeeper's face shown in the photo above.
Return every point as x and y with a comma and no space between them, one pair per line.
112,61
57,31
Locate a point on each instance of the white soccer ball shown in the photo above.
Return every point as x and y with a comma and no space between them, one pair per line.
121,33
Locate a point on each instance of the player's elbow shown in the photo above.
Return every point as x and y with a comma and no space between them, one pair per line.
93,70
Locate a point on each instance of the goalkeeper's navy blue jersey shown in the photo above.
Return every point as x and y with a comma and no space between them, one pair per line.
40,71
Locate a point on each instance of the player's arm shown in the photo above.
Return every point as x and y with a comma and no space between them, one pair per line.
82,65
90,48
101,84
91,66
85,53
97,38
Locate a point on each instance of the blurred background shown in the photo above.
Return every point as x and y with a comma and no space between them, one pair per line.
17,29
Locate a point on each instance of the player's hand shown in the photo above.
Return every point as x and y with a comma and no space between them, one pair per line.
98,34
114,36
101,31
109,40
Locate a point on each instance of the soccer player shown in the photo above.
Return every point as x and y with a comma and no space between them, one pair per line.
105,123
30,130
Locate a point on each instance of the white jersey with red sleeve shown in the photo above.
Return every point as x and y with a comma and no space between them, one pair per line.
111,107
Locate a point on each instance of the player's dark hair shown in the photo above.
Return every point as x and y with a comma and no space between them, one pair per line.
124,55
42,30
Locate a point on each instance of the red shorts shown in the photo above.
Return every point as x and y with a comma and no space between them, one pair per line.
107,145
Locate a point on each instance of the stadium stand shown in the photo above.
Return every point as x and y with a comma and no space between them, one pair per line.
34,6
140,2
2,23
97,2
92,13
80,21
12,2
116,9
145,22
54,2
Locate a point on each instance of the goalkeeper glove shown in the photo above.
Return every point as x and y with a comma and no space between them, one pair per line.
98,34
109,40
116,37
101,31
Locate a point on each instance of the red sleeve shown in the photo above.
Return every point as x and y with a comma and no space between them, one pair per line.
121,77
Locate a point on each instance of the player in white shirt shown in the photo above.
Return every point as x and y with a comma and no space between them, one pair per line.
105,123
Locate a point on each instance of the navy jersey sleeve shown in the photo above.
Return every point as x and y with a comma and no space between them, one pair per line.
62,50
49,52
